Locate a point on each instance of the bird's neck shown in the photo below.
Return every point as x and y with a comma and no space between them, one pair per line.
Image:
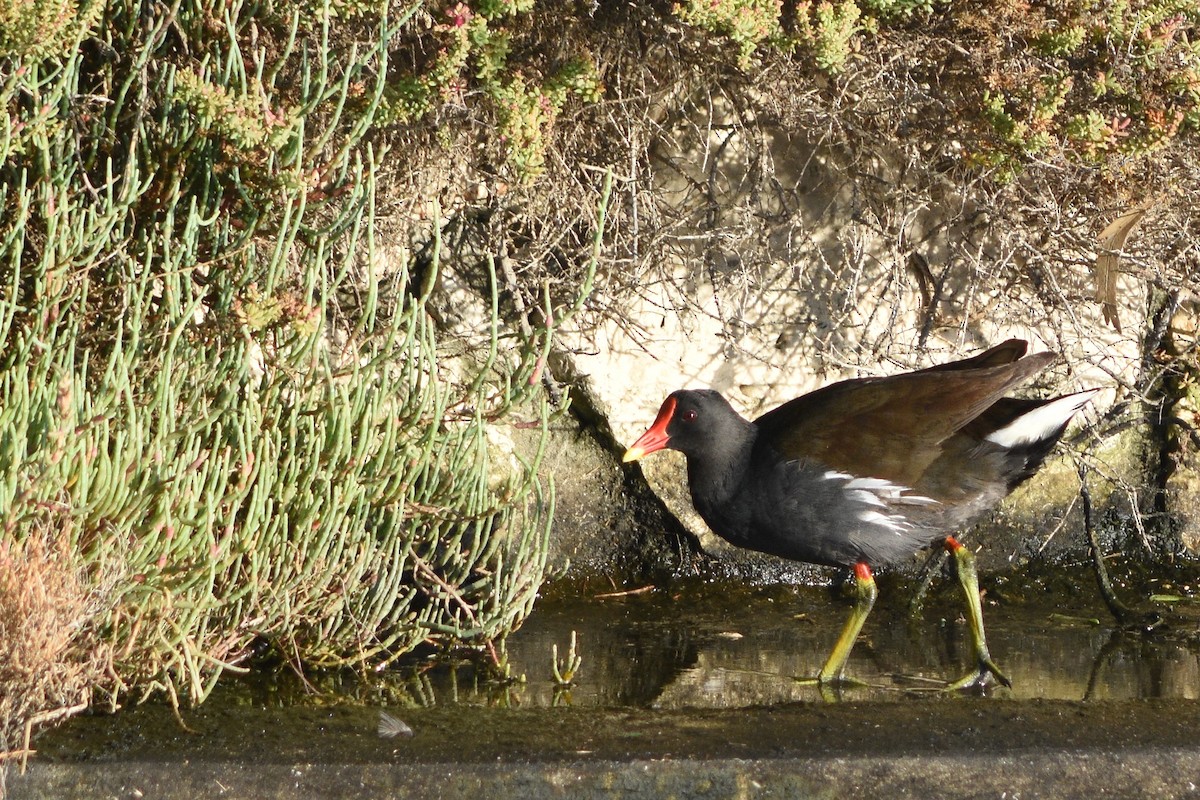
718,474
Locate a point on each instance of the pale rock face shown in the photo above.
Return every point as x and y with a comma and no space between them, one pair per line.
832,297
628,379
775,277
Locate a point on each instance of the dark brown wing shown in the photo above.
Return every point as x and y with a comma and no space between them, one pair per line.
1003,353
895,427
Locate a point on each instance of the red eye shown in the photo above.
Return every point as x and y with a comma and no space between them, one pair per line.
689,415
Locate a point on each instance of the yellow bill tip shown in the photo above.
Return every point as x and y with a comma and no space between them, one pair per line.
632,454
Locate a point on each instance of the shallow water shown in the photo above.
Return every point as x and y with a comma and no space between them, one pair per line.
696,648
719,646
696,672
710,647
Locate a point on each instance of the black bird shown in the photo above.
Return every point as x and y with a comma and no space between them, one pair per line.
863,473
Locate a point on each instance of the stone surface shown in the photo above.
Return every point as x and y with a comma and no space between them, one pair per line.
604,531
1183,482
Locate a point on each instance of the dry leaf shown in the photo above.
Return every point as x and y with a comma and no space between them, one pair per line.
1112,240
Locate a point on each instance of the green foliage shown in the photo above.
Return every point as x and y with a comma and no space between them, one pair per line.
40,29
828,30
237,117
1060,41
501,8
1050,97
405,100
1089,133
1097,80
1005,125
525,115
565,669
214,377
748,23
578,78
491,49
526,112
470,49
1080,81
897,9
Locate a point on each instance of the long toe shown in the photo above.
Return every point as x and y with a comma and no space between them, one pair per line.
832,690
979,677
837,681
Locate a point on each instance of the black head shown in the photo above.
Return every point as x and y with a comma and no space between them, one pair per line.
692,421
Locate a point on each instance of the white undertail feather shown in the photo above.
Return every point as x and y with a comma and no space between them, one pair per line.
1042,422
879,494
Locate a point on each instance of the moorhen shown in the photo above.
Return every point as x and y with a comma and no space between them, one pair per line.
865,472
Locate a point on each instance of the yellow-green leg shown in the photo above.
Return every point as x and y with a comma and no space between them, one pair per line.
864,599
964,564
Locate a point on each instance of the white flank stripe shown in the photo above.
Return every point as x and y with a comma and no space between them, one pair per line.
879,492
1041,422
889,491
878,485
868,498
889,521
917,500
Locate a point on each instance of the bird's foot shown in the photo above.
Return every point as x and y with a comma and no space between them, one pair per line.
831,688
979,678
909,682
836,682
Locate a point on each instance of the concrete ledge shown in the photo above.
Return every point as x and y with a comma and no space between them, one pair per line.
944,748
1170,773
